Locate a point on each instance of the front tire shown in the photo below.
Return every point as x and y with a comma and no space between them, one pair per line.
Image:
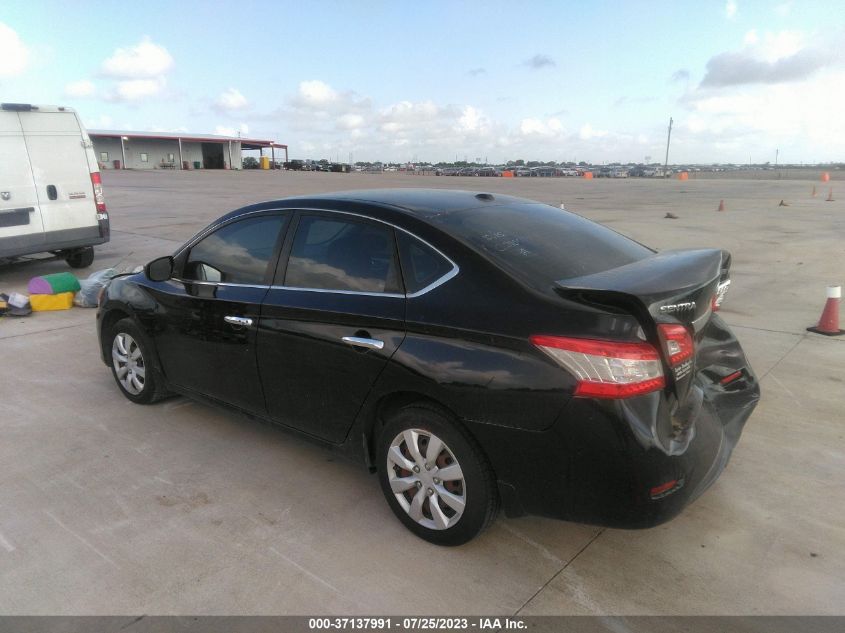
435,477
131,364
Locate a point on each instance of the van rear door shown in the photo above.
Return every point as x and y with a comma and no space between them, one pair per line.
20,215
61,174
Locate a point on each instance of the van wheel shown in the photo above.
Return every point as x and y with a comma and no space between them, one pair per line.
435,477
80,258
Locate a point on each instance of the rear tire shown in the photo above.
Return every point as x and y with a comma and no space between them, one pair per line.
132,365
80,258
435,477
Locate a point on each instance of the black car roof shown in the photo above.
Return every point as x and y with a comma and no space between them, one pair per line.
421,203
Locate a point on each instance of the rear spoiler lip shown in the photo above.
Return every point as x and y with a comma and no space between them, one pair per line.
652,279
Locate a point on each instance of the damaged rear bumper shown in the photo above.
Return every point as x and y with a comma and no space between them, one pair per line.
629,463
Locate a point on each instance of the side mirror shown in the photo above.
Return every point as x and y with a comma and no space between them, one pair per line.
160,269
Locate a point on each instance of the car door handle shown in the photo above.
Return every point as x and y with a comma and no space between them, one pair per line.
236,320
357,341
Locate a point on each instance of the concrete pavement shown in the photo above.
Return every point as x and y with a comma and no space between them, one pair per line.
108,507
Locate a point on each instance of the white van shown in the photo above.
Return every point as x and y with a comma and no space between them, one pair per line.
51,196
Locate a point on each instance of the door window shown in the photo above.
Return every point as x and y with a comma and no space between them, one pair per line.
331,254
421,264
237,253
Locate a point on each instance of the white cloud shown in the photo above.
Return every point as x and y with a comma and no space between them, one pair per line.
587,132
102,122
231,100
537,127
322,118
144,60
137,89
223,130
781,44
140,72
731,9
350,121
472,120
316,93
80,89
783,9
14,55
782,89
778,57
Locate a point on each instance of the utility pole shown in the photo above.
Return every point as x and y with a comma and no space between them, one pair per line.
668,138
777,151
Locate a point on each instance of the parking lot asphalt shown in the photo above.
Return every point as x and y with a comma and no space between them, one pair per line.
177,508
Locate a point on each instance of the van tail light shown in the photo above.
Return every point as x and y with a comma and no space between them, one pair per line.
99,198
677,342
606,369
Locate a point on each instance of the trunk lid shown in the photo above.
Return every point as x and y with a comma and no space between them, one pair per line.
675,286
671,287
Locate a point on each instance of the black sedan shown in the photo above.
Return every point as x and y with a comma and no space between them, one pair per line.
474,350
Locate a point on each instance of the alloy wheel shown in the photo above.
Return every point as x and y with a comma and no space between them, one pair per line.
426,479
128,361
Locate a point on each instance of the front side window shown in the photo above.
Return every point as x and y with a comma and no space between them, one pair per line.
331,254
104,156
237,253
421,264
144,157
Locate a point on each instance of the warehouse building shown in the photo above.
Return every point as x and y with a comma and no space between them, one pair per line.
117,149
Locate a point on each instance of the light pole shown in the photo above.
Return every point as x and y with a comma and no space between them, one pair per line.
668,138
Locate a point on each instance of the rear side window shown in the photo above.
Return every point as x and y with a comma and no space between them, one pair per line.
329,254
237,253
421,264
542,244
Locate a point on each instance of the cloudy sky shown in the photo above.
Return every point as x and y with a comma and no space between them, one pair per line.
594,81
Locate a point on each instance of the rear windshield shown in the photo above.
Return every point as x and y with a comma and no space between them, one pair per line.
542,244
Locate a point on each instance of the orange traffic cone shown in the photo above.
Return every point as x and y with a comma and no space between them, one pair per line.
829,321
813,195
829,196
721,205
825,177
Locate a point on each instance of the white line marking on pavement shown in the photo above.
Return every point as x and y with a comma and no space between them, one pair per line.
311,575
6,544
80,538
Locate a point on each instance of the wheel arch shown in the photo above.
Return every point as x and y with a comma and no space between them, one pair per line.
116,313
108,320
389,404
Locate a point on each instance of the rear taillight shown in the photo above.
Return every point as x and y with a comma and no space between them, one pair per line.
606,369
677,341
719,297
679,346
99,198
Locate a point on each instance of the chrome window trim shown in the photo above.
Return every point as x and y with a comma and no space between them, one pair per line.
436,283
393,295
219,283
